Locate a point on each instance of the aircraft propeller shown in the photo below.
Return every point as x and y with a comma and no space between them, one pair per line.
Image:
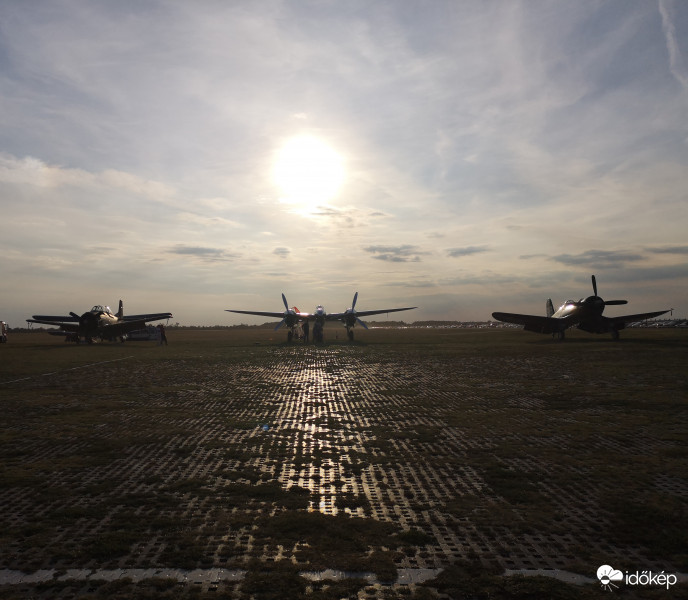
288,313
352,313
606,302
88,324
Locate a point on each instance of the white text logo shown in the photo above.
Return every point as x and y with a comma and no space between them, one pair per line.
608,576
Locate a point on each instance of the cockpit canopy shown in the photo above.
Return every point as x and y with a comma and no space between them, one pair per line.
101,309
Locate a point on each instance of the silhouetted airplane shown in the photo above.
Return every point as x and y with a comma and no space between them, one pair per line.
586,314
292,317
99,322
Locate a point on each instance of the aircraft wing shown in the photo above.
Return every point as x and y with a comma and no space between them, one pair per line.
634,318
70,325
260,313
365,313
53,319
534,323
124,327
148,317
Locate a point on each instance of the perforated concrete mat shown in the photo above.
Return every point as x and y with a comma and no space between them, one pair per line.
344,458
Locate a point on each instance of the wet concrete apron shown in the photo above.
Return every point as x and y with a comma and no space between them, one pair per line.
403,441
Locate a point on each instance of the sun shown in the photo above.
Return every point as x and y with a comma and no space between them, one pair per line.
308,171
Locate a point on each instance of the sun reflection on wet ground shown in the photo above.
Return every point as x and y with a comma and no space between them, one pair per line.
199,455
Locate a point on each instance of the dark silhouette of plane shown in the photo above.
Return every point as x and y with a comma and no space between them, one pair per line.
292,317
99,322
585,314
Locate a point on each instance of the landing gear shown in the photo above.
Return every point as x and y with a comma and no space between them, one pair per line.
318,337
559,336
615,335
350,333
290,335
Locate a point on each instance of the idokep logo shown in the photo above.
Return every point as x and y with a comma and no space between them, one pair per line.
608,576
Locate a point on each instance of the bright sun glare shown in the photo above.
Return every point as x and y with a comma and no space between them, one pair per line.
308,171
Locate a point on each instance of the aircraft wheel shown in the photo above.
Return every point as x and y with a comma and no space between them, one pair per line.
350,333
290,336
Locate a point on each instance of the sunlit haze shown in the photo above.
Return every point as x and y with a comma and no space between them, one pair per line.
464,157
309,173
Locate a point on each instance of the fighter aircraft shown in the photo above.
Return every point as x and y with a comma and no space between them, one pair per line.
292,317
99,322
585,314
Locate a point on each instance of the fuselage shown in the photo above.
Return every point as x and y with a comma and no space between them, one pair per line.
94,321
104,314
590,308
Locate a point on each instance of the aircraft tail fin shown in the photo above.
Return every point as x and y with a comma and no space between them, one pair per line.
120,310
550,307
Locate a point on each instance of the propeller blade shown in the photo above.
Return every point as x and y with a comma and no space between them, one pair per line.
594,286
279,324
284,299
353,304
361,323
613,302
73,314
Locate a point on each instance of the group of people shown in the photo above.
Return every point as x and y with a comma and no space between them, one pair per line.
317,332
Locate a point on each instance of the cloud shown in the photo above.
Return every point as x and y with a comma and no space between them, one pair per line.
466,251
404,253
639,275
668,250
282,252
486,278
598,258
667,9
204,253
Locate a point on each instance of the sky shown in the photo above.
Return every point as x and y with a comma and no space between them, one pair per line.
460,156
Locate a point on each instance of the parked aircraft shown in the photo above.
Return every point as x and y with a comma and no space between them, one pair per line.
292,317
585,314
99,322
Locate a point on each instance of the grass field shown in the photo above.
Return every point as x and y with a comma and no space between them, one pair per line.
467,451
